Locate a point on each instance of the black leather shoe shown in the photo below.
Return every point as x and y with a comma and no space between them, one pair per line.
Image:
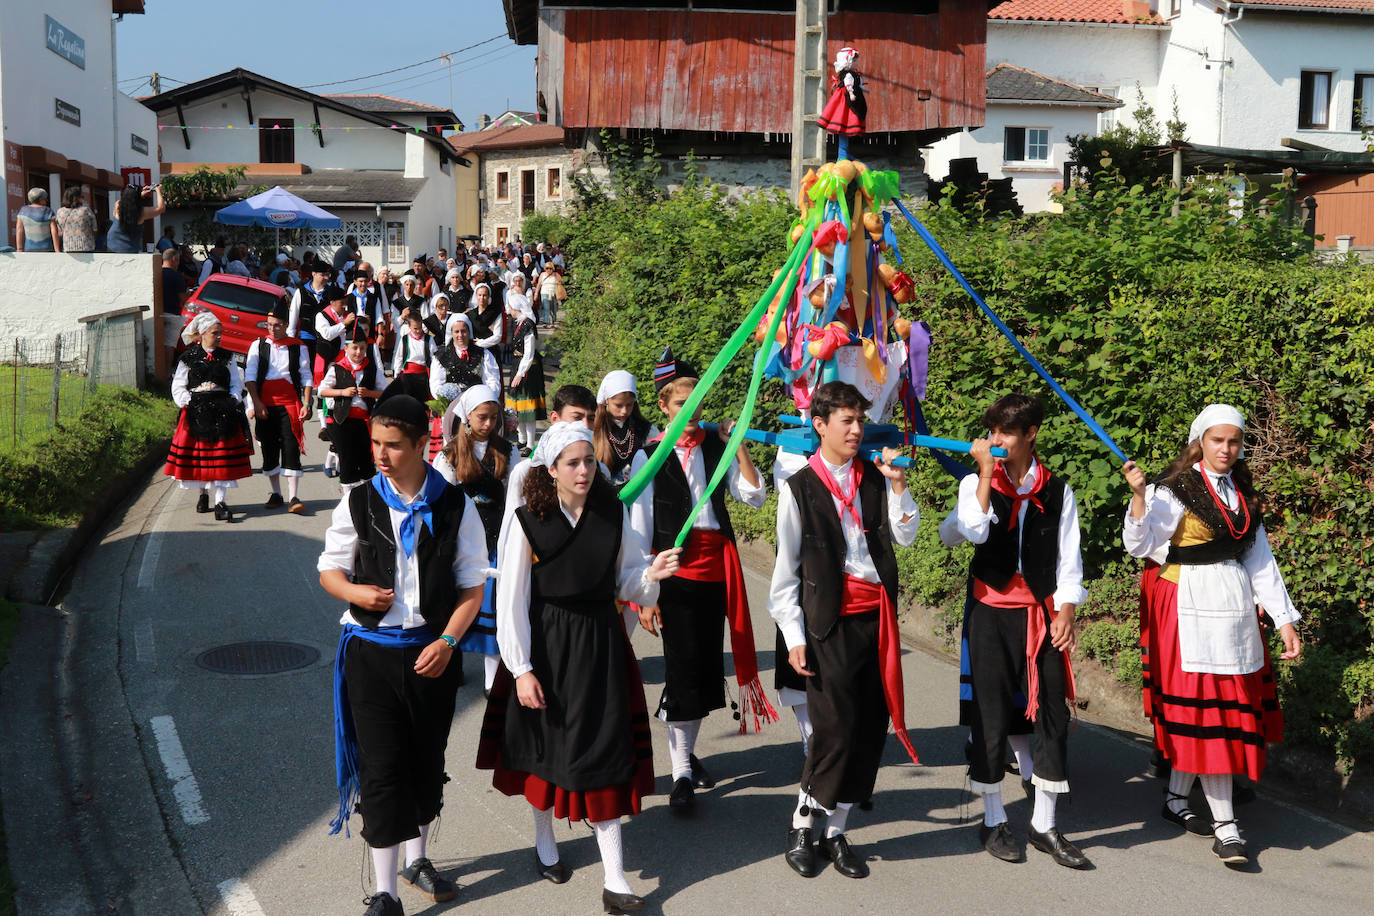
558,873
422,876
801,853
222,513
999,841
682,796
274,502
620,903
700,778
847,861
203,502
1059,849
1028,787
1188,819
1232,852
1159,767
383,905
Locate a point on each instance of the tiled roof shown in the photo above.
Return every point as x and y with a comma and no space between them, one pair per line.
1108,11
386,103
1009,82
1366,6
514,137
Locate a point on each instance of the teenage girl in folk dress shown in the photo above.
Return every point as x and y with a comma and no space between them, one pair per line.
619,430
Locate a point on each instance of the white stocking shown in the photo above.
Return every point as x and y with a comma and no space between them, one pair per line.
1180,783
415,849
544,843
803,714
993,812
384,864
612,858
1043,817
1021,747
275,481
838,818
682,740
1217,788
293,486
221,491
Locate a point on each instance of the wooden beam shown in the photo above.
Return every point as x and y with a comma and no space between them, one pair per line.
319,134
248,103
185,134
1293,143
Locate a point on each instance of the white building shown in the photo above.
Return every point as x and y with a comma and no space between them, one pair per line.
1245,75
381,165
65,121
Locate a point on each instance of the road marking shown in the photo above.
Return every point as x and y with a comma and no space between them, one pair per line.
147,570
145,650
239,899
184,787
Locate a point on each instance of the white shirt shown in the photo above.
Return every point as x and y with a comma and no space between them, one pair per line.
784,593
513,586
642,513
293,318
469,561
968,522
410,349
441,463
1150,536
491,373
279,362
357,375
181,395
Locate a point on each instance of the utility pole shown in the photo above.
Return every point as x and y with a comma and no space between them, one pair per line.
808,88
156,81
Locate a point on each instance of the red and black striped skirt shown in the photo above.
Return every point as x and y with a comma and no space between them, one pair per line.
226,456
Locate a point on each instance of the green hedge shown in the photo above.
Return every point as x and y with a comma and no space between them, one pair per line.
1143,316
50,482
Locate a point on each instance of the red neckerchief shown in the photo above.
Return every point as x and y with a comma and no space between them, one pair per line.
690,441
1001,482
344,361
856,474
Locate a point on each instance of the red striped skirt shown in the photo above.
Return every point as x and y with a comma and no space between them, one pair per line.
192,458
1204,723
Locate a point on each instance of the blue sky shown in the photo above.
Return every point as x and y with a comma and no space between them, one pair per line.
347,39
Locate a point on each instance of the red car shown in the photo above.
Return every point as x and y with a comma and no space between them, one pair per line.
242,305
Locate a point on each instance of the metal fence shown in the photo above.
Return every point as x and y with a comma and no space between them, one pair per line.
49,380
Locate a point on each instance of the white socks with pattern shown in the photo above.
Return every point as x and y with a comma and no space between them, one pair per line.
993,812
1217,788
838,818
544,843
1043,817
612,861
682,740
800,820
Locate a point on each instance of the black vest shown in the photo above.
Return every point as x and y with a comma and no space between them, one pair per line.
264,354
488,494
404,341
342,378
1192,491
201,368
374,554
673,498
994,560
575,568
823,546
525,329
311,305
463,373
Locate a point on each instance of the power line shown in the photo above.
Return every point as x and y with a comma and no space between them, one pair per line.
431,76
407,66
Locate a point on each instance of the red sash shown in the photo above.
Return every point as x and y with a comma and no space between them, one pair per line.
279,392
861,597
1018,595
415,369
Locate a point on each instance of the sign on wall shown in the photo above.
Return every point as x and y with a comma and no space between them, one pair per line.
65,43
68,112
138,178
138,144
14,183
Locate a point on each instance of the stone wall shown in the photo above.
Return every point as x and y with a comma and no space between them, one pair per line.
502,215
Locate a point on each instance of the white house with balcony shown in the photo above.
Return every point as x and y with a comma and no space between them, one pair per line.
382,165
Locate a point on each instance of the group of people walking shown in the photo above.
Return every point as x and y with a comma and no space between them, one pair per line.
540,568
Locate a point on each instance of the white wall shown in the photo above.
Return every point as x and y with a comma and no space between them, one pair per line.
42,294
1031,183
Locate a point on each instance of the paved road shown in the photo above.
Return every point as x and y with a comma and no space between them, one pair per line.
211,792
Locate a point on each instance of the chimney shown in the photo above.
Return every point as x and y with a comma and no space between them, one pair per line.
1135,9
483,121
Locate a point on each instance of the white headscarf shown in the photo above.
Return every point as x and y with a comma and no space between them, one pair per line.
452,272
453,320
1215,415
558,437
617,381
459,408
198,326
520,304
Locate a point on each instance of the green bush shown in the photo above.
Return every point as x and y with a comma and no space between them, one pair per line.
546,227
51,482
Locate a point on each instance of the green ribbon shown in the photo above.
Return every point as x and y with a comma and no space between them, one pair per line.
830,187
880,186
789,275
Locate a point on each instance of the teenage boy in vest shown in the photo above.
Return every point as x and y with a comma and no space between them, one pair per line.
306,304
279,384
1026,579
839,619
708,588
352,386
407,553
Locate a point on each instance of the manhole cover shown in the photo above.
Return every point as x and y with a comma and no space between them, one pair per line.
257,658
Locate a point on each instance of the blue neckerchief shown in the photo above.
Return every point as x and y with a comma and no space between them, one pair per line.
345,738
422,506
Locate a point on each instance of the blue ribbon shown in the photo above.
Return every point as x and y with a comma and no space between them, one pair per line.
1006,332
422,506
345,738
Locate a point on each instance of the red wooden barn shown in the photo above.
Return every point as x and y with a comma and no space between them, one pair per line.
720,80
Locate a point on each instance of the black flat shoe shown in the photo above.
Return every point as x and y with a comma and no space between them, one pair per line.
1232,852
274,502
557,873
999,842
203,502
1188,819
620,903
1061,850
383,905
801,853
682,797
422,875
222,513
847,861
700,777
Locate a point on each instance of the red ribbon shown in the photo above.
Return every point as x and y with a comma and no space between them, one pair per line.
1002,483
861,597
855,476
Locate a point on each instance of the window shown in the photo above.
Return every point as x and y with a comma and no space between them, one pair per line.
1363,115
1175,8
1314,100
502,235
1026,144
503,185
526,191
276,140
555,182
1106,120
396,243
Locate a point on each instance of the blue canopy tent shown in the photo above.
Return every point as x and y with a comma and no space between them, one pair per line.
277,208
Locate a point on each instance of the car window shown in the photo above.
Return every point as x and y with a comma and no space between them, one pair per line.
239,298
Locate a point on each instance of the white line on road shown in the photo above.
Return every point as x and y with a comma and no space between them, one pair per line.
147,570
239,899
184,787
